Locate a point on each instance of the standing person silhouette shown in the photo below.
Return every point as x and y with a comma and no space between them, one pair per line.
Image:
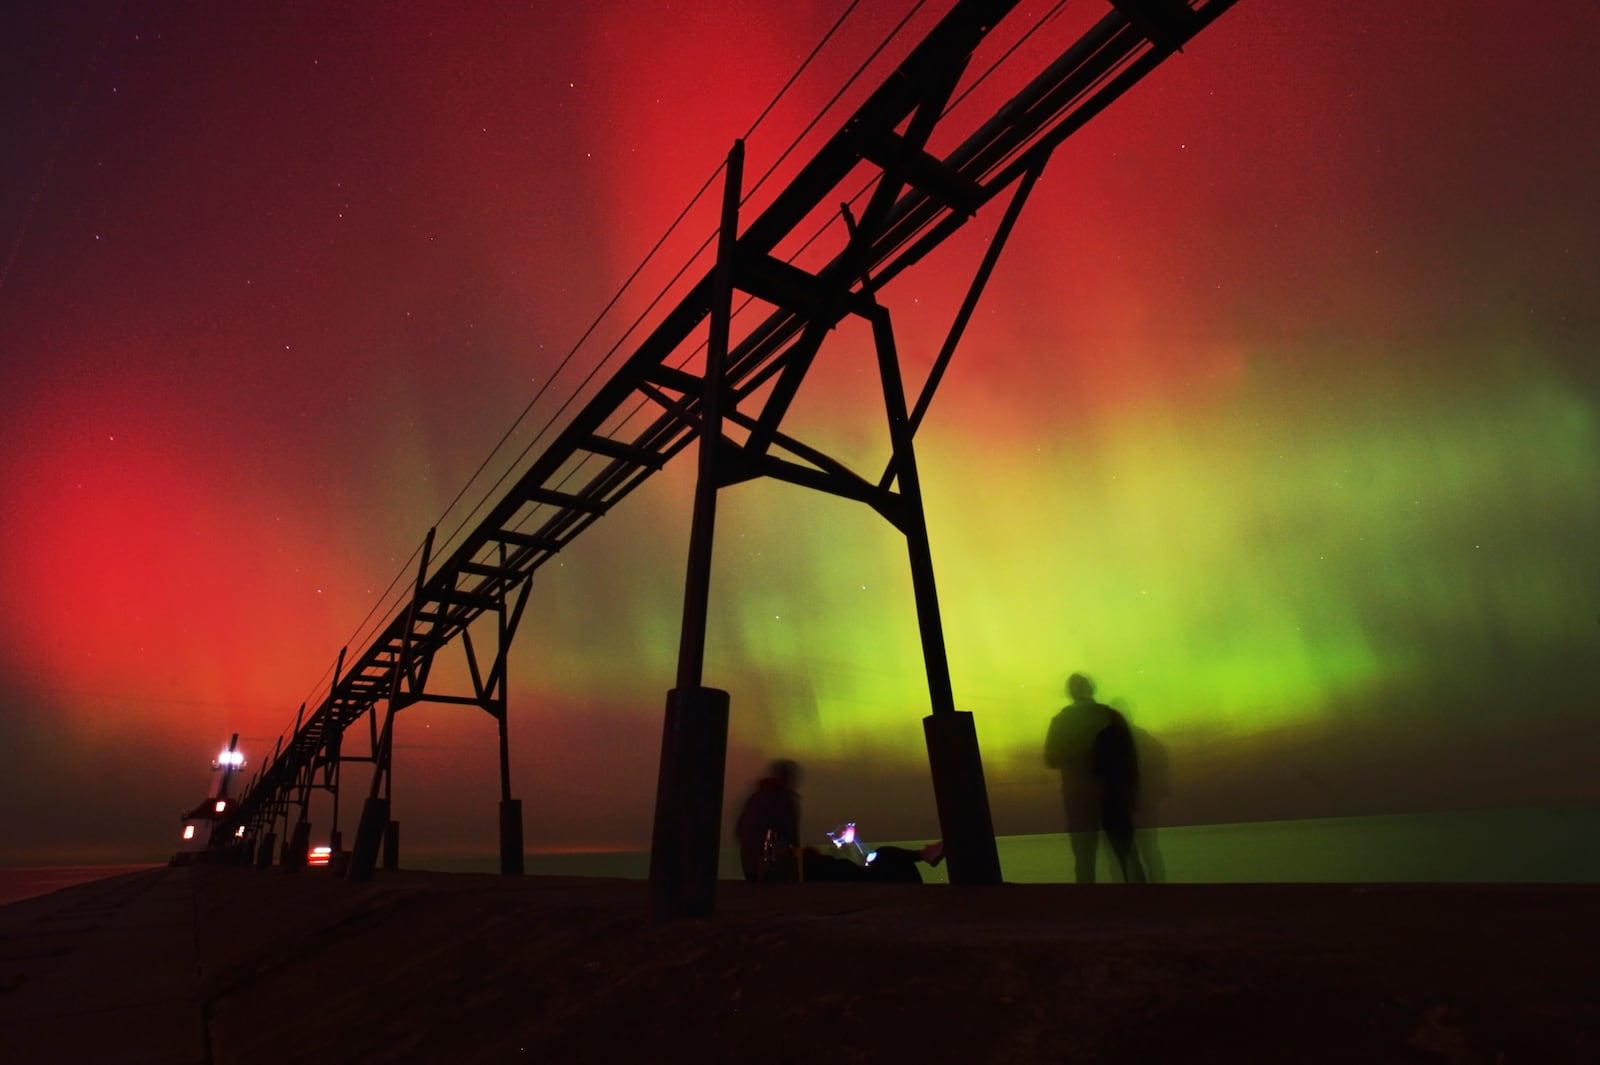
1092,746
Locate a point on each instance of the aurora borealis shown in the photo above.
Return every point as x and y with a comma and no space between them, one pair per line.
1280,417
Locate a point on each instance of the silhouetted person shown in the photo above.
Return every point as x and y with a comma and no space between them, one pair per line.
1154,788
1092,745
769,821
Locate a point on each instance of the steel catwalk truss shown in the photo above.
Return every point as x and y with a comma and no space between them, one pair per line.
920,199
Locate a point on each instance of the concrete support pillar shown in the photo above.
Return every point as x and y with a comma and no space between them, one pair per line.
369,837
511,857
962,798
391,846
688,825
269,843
294,858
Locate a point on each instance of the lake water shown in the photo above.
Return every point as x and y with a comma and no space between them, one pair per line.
1525,845
18,883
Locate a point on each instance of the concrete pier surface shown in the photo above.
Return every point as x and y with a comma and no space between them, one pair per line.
229,966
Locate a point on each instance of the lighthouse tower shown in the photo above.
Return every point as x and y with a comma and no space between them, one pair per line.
199,822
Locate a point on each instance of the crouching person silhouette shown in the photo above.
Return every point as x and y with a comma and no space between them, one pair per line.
768,830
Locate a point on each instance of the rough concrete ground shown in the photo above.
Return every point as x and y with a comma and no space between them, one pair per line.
236,966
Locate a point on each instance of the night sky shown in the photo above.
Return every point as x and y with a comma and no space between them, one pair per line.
1280,417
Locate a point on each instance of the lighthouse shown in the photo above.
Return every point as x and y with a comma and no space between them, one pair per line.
199,822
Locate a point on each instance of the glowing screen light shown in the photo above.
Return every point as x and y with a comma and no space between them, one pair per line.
188,832
238,833
845,836
222,804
